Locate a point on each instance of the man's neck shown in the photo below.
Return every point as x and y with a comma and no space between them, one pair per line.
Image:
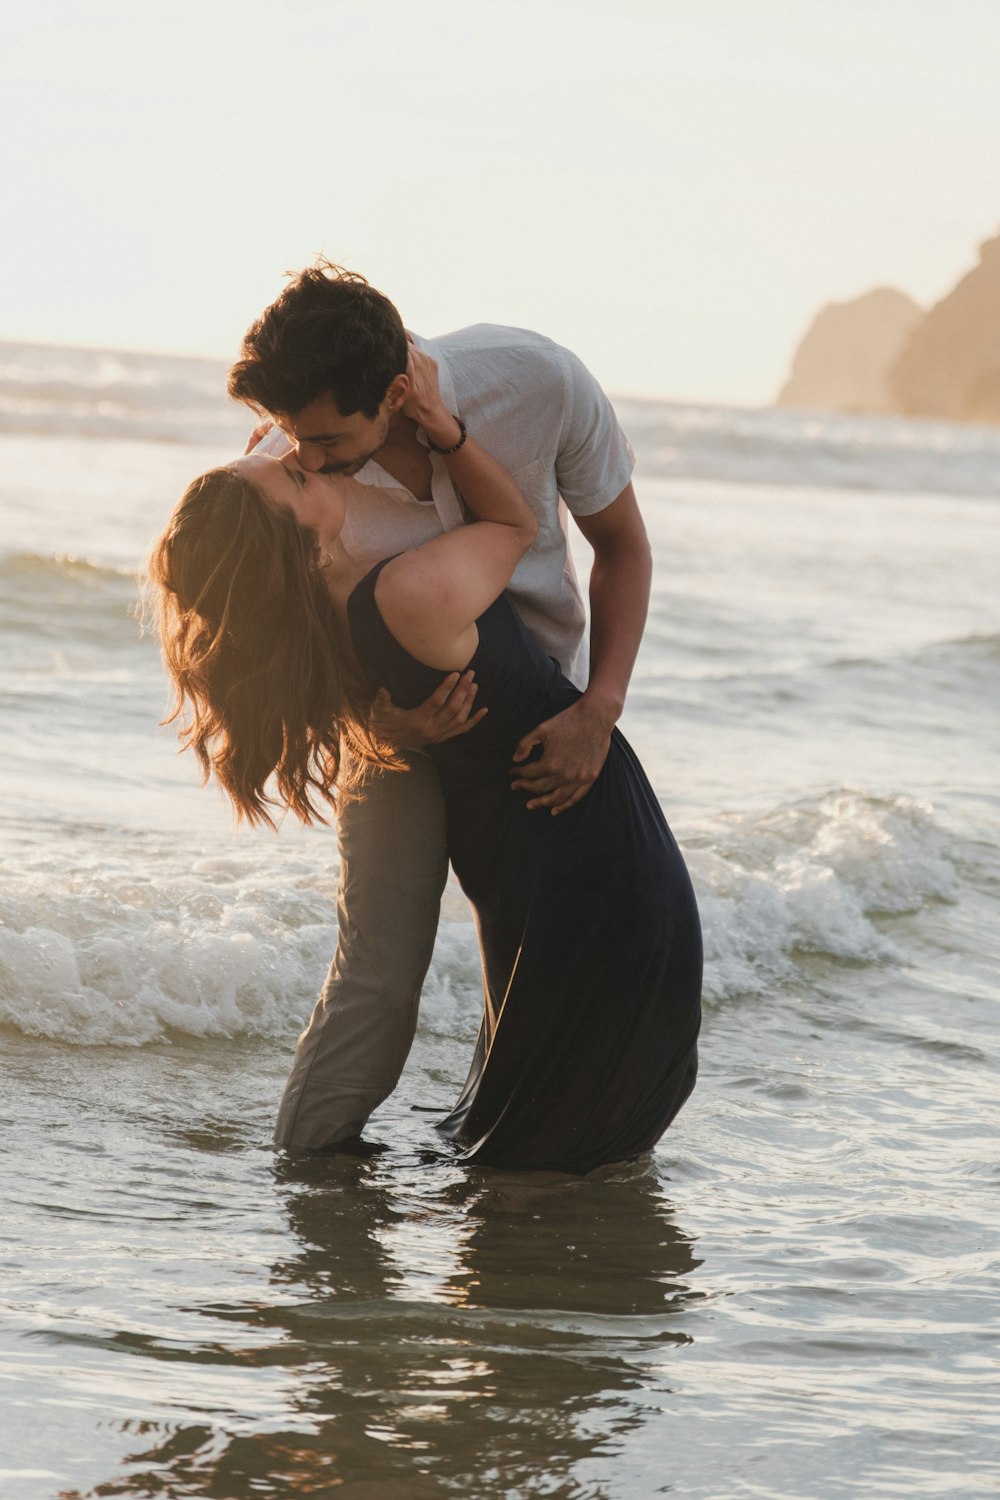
406,459
402,429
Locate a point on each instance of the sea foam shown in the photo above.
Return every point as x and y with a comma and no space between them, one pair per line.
134,950
817,878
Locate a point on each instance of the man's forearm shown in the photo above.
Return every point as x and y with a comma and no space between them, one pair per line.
575,741
619,600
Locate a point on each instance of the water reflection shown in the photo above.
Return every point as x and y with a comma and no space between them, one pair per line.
448,1332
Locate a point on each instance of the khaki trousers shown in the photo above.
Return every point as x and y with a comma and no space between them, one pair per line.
393,867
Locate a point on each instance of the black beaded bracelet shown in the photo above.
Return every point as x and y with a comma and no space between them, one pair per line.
455,446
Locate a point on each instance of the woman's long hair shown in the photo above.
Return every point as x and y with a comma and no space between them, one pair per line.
255,653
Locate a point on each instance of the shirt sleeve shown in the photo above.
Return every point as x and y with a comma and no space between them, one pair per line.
595,460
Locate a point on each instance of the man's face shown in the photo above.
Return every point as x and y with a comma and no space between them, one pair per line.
328,443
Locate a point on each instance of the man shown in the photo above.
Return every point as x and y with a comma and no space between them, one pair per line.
327,363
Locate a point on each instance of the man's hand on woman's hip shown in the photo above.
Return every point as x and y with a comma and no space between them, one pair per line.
575,746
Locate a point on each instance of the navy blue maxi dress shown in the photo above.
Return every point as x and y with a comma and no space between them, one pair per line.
587,922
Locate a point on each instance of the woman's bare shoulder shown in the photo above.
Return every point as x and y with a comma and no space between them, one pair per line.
416,599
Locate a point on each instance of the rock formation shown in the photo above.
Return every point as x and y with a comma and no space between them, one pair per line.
844,360
950,366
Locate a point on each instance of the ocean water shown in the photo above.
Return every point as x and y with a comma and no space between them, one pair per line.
796,1295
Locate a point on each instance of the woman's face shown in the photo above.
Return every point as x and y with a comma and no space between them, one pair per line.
316,501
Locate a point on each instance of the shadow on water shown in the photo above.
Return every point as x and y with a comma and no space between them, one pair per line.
444,1333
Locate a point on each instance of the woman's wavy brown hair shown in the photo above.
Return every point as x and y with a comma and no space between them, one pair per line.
256,653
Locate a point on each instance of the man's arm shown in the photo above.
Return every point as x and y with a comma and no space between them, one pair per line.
575,743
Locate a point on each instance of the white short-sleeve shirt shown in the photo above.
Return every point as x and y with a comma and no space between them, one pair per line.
537,409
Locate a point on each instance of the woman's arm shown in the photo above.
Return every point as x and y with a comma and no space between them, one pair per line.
431,597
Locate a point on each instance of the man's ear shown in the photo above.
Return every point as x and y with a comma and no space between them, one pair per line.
397,391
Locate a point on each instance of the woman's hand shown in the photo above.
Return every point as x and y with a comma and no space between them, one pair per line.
259,432
424,404
445,715
268,441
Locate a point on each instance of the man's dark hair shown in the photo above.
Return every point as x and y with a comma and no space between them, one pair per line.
328,334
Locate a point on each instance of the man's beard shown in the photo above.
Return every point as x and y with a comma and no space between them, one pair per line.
357,464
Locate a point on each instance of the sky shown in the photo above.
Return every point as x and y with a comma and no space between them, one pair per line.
673,188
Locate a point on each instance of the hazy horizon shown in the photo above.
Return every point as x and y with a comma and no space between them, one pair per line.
137,351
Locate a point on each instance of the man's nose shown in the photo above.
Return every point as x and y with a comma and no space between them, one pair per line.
310,456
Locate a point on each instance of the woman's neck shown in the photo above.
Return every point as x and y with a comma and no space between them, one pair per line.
341,573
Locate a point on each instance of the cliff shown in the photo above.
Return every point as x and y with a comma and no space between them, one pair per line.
844,360
950,366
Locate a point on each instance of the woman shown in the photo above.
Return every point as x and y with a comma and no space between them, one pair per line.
588,927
